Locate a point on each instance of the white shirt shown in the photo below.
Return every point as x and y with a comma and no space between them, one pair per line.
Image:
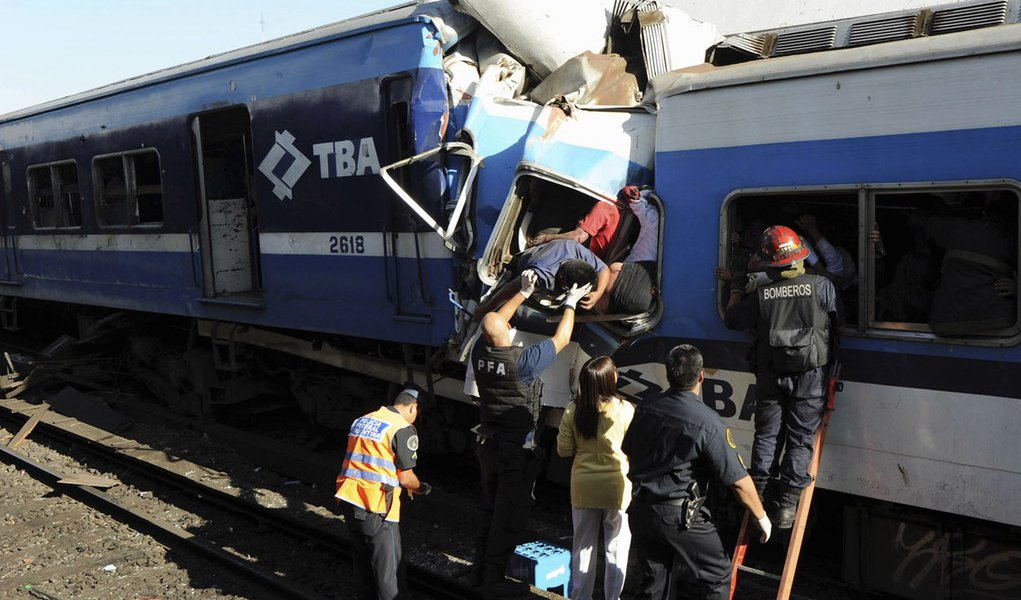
645,247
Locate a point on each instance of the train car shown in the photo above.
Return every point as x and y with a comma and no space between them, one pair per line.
223,189
322,195
914,140
901,144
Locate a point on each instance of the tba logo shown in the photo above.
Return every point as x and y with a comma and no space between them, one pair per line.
283,186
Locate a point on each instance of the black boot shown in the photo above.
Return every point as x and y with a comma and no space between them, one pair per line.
787,506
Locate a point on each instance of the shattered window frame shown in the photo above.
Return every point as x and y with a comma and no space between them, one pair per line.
135,201
60,187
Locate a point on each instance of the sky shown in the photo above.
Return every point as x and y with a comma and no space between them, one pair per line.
55,48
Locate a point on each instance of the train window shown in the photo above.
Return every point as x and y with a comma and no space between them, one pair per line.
129,189
944,261
55,195
934,263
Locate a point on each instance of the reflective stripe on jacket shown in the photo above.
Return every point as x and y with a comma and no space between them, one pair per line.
368,477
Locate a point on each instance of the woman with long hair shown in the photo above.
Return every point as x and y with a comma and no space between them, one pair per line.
591,431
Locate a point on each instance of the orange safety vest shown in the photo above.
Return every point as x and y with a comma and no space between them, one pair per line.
368,477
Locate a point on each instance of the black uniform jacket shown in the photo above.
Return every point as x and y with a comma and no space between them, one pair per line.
673,438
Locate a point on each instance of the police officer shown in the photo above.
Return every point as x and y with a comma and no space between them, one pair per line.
509,394
675,446
382,450
791,317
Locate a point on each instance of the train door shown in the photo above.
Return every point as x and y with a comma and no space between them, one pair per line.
10,268
228,224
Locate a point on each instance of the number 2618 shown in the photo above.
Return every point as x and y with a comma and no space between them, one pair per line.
347,244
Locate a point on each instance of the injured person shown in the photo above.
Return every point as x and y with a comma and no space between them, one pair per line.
621,288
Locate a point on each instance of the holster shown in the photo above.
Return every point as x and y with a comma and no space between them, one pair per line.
388,496
693,503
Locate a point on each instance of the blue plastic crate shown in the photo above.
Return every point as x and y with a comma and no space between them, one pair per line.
543,565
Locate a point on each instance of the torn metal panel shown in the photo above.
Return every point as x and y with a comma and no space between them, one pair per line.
670,38
592,79
600,150
542,34
446,232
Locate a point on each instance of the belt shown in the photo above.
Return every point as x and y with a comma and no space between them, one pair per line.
668,502
674,502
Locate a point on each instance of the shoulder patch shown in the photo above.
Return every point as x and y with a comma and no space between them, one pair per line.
730,439
413,443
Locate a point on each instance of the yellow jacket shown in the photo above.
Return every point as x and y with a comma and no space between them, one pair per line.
599,473
368,477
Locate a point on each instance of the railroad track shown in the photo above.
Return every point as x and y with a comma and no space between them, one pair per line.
317,538
309,527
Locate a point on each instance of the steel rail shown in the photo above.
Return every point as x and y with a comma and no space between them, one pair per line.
157,528
437,585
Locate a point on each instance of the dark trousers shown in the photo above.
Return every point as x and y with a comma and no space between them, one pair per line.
661,543
376,549
508,474
785,426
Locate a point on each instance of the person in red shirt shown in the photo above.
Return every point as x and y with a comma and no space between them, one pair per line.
599,226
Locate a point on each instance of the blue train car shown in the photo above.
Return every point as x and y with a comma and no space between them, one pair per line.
313,194
915,140
245,187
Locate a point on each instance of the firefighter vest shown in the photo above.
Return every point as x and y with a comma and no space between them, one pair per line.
368,477
794,330
509,409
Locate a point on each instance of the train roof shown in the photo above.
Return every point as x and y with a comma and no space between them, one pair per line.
424,11
1004,38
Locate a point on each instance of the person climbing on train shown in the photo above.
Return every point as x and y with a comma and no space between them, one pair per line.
382,452
510,391
793,319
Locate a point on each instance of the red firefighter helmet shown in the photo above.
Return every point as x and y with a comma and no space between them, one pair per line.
781,247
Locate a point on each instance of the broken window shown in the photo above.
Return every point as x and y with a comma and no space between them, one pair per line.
938,261
129,189
541,214
55,196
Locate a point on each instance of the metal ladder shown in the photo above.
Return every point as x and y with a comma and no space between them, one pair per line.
790,564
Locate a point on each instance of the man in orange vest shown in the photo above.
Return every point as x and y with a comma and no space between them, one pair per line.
382,450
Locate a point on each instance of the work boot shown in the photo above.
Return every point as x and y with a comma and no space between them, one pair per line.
787,507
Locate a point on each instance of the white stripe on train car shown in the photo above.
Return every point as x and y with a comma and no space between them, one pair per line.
356,243
108,242
918,97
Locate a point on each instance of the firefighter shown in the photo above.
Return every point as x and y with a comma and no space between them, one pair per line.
793,319
382,450
509,400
